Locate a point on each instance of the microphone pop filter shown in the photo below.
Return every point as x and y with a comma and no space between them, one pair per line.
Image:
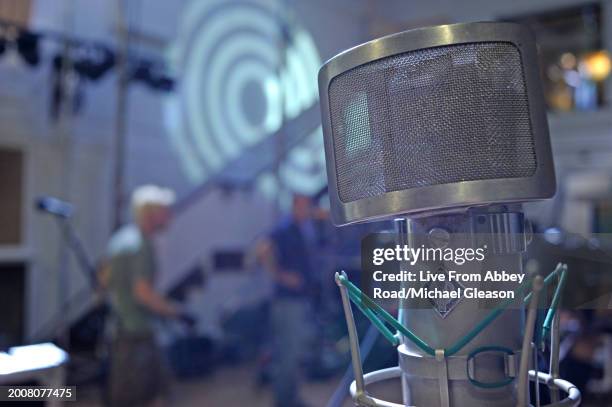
433,120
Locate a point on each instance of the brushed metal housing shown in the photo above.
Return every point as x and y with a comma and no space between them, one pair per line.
458,195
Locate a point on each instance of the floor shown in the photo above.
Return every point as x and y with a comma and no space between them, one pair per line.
235,387
230,387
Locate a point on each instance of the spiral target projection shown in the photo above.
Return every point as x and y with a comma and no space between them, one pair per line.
303,170
232,93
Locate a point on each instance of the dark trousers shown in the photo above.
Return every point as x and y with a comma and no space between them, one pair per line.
138,372
288,330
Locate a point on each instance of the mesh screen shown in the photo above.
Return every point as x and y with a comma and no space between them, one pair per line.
428,117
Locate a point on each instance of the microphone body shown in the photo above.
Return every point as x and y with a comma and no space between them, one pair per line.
444,322
444,129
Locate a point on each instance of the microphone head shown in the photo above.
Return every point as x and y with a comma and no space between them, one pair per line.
54,206
434,120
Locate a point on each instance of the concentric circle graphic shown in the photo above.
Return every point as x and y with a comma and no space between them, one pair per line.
242,69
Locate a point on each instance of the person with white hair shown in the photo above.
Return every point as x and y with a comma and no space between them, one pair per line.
138,373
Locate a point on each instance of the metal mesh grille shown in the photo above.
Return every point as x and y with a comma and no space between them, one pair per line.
428,117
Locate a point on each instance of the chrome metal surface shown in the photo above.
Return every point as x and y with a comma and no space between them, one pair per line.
554,354
502,232
523,379
572,400
573,394
473,229
353,339
375,377
459,367
457,195
439,237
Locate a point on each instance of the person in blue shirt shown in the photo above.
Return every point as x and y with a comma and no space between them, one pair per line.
287,256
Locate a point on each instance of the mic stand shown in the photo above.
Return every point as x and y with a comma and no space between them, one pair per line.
75,245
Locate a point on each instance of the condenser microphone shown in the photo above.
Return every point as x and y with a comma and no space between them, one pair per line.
443,129
54,206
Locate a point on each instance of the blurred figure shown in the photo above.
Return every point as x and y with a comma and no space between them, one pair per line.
286,254
138,373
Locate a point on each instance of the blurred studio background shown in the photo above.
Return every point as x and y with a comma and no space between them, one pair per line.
217,100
